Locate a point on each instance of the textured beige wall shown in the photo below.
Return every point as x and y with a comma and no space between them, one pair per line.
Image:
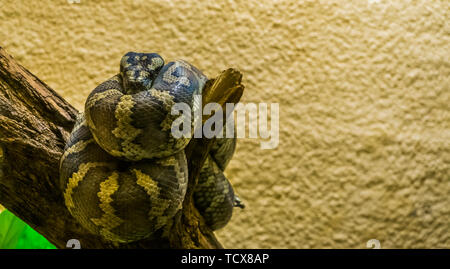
363,88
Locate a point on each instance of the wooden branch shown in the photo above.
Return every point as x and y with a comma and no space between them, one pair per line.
35,123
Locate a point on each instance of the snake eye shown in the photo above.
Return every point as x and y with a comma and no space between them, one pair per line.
139,70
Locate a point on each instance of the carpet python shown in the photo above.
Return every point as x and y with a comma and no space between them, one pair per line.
122,173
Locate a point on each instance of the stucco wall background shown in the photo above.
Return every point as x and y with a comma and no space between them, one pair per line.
363,90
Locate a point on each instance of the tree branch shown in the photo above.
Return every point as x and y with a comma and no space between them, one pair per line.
35,123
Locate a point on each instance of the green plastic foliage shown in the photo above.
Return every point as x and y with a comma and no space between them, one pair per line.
11,228
16,234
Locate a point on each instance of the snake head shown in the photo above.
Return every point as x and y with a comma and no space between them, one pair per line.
139,70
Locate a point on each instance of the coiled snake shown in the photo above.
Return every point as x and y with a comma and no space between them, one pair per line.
123,175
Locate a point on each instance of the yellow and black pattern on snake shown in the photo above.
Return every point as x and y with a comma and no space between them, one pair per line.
123,175
120,200
130,114
214,196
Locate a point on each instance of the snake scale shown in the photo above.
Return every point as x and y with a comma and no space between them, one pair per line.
122,173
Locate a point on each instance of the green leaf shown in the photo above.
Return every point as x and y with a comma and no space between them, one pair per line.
30,239
11,229
14,233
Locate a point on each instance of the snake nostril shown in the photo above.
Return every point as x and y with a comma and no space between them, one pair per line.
136,79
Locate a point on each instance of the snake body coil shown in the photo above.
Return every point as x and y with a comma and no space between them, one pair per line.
123,175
